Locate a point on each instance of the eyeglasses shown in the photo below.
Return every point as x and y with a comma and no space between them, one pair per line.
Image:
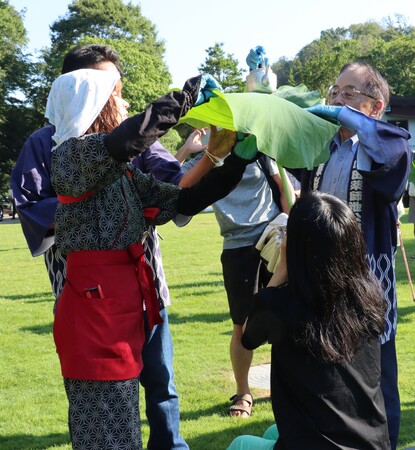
347,92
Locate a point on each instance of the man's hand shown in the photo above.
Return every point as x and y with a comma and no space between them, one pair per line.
325,111
193,144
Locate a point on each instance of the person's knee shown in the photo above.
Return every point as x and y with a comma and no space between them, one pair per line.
239,443
237,331
246,442
271,433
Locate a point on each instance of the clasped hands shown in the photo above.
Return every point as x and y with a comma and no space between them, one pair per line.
221,143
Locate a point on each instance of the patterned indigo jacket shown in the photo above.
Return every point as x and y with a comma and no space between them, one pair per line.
373,192
113,216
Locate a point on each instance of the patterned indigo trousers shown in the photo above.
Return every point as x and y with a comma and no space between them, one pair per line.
104,415
56,266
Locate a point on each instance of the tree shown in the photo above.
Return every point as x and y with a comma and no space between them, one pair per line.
13,65
14,71
119,25
282,68
316,66
389,46
146,76
396,61
123,27
224,68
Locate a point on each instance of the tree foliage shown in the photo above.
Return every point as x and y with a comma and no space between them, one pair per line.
14,71
389,46
283,70
123,27
13,64
146,76
395,59
223,67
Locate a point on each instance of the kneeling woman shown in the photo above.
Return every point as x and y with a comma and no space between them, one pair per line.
104,207
323,314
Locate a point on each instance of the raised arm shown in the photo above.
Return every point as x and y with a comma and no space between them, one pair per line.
219,146
137,133
193,144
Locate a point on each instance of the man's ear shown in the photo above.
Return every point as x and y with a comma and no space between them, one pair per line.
377,107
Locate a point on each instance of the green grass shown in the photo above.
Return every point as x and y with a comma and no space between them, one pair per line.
33,405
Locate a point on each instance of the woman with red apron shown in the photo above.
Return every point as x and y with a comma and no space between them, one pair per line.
105,205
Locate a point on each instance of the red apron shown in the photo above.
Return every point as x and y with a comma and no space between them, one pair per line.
99,325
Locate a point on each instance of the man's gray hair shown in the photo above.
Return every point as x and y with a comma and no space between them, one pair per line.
374,83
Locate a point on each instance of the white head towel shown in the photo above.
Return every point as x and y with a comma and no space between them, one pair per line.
75,100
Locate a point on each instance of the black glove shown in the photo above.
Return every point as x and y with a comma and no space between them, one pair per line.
137,133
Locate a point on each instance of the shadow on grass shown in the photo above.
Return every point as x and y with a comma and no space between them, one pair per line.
33,298
404,312
202,292
28,441
206,318
406,435
216,274
39,329
13,249
196,285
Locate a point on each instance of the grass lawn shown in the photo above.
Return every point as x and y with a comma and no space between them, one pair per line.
33,406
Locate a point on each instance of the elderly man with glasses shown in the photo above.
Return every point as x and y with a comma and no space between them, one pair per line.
367,169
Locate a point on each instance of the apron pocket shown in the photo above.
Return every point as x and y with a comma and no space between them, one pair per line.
102,331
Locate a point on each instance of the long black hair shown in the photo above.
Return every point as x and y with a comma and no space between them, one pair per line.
330,279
